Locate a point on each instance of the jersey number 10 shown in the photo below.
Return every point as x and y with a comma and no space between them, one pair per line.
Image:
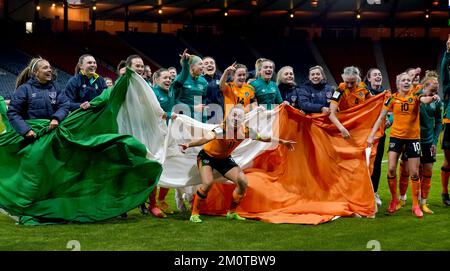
405,107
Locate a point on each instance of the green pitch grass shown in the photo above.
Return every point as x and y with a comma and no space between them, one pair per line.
402,231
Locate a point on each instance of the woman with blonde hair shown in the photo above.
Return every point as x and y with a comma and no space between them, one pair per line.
266,90
287,86
37,97
190,87
315,95
350,93
405,135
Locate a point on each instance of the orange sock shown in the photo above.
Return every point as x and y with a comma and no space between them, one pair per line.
162,193
199,197
445,174
236,200
425,186
415,190
392,182
404,179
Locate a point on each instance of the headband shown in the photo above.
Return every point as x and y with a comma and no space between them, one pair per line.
34,65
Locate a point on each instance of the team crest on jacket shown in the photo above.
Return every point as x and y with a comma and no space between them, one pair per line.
52,96
410,100
329,95
293,98
361,94
247,94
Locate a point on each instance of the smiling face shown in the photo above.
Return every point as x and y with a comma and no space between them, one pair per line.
209,66
197,69
43,71
173,74
137,65
164,80
89,65
266,71
375,78
240,76
315,76
109,82
287,76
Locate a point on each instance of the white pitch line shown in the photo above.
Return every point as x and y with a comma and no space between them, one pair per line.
439,154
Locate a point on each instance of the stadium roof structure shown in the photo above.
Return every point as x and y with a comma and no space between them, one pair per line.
337,12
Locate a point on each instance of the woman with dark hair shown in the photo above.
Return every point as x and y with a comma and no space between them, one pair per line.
36,97
85,85
373,81
213,93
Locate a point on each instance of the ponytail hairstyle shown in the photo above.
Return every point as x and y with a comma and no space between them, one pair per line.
29,71
258,65
80,62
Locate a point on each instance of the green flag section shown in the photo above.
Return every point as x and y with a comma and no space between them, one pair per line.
83,171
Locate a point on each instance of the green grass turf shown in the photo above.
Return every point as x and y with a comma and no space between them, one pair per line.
402,231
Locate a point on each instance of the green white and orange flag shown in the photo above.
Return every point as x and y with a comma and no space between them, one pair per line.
104,161
90,168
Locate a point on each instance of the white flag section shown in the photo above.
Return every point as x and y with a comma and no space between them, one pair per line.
368,151
141,117
180,169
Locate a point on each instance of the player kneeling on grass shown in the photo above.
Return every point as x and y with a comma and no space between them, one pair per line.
216,154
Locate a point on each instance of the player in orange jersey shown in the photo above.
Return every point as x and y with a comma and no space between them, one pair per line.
216,154
237,91
405,134
350,93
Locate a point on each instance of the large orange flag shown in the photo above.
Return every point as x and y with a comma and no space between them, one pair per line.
325,176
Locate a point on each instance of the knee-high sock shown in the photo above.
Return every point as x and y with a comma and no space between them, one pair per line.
404,179
445,174
162,193
392,182
425,186
199,197
236,200
415,190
